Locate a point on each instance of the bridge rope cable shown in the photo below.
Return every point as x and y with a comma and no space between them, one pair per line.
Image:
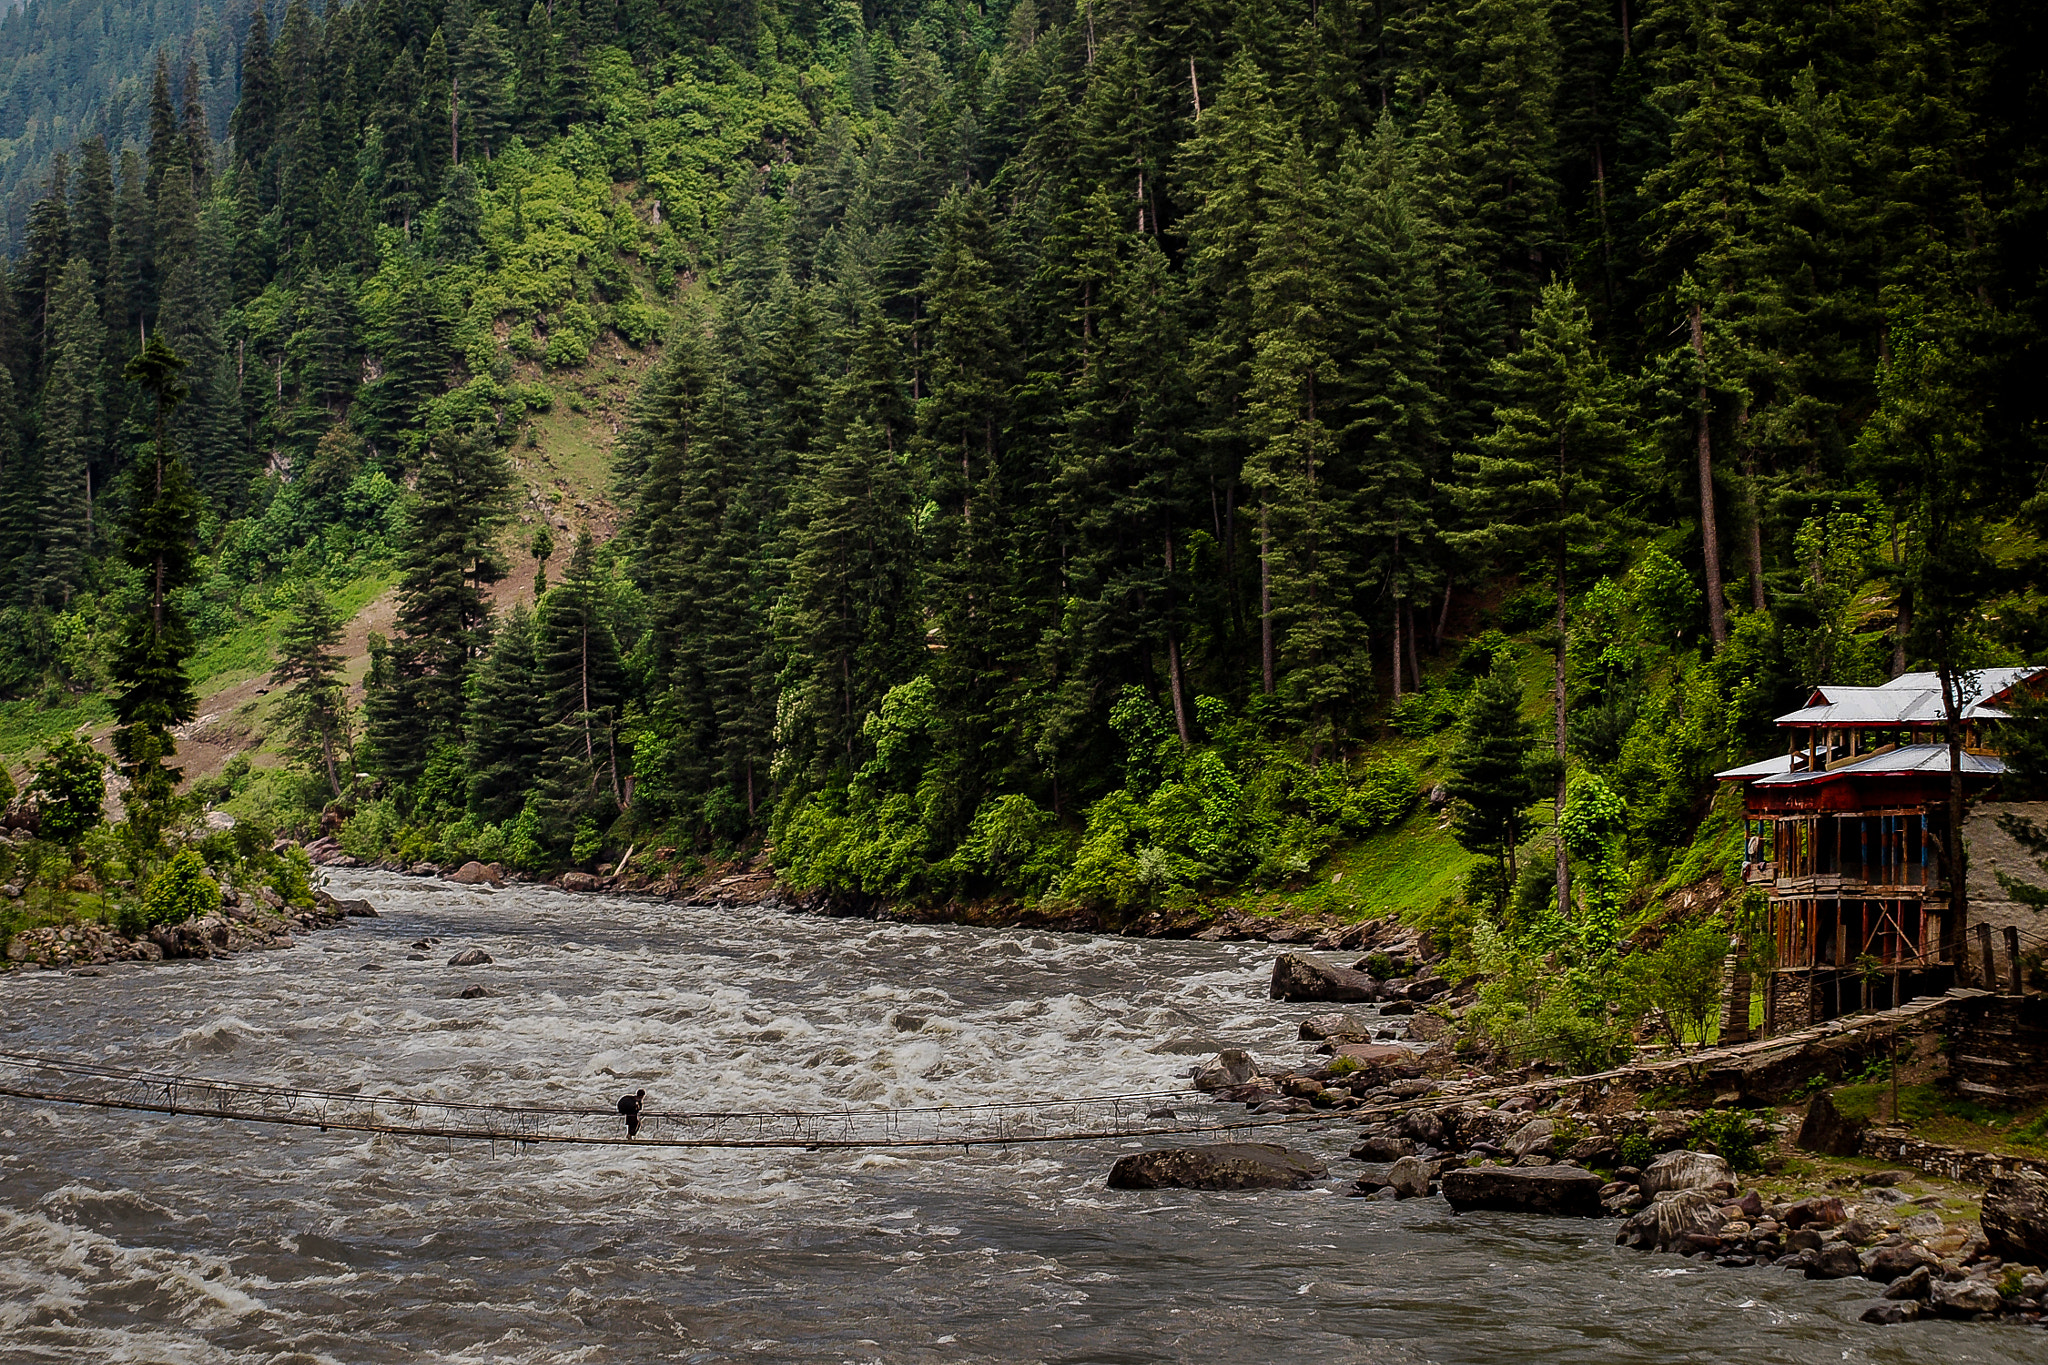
29,1076
34,1077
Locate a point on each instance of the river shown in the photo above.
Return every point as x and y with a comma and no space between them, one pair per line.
141,1238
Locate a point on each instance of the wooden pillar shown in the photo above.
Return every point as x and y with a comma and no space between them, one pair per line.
1990,981
2013,983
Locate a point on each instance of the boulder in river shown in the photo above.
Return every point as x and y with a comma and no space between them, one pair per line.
1565,1191
1685,1170
474,873
1224,1166
1665,1223
1964,1298
578,881
1888,1265
470,957
1382,1145
1318,1027
2015,1217
1229,1068
1410,1178
477,993
1297,976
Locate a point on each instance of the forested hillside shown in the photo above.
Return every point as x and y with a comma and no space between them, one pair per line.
73,68
1112,454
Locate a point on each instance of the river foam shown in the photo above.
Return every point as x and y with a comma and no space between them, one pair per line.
134,1237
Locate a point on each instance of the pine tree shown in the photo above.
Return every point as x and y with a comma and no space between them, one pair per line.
581,686
1704,256
73,432
254,125
506,732
1306,589
1491,779
1389,384
48,251
153,693
443,622
1541,486
314,712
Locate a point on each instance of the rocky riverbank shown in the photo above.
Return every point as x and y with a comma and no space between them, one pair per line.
754,884
246,922
1560,1149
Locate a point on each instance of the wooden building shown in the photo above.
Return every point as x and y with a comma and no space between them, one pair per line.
1845,838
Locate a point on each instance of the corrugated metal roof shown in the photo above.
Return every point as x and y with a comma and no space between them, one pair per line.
1909,699
1910,758
1780,763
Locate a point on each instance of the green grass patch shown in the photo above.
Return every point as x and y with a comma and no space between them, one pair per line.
28,725
1395,872
1940,1116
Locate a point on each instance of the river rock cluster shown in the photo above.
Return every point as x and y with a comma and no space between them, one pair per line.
246,921
1928,1265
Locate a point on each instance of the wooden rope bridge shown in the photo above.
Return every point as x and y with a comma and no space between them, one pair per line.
51,1080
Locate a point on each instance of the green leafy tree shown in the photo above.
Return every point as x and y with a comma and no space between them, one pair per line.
69,789
1926,441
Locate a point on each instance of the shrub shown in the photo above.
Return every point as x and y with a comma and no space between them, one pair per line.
370,834
1636,1150
1727,1133
69,790
182,891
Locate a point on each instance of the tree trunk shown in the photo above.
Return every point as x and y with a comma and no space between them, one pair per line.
1265,602
1756,525
1710,536
1564,862
1414,656
1955,924
1395,671
1174,680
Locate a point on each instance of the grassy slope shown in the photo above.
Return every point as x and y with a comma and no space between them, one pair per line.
563,477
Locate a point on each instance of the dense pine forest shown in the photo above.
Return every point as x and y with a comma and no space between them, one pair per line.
1107,454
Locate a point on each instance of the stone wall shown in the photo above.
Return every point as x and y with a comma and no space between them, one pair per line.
1998,1048
1898,1148
1993,851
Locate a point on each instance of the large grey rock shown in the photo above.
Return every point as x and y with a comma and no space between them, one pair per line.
1348,1027
1916,1284
1410,1178
1231,1067
1827,1130
1382,1146
2015,1217
1531,1138
1297,976
1685,1170
1964,1298
1888,1265
1664,1222
579,881
474,873
1835,1261
1224,1166
1565,1191
470,957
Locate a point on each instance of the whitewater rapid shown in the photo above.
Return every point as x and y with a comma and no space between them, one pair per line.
138,1238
